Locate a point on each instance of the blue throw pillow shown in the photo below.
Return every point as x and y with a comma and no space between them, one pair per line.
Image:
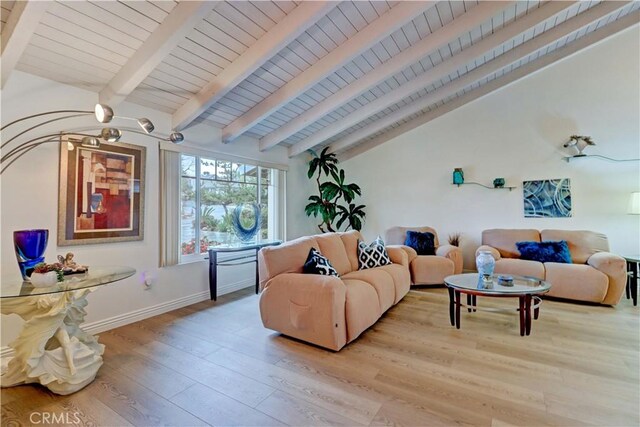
423,243
550,251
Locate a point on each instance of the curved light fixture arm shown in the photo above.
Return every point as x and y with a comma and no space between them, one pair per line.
44,114
38,125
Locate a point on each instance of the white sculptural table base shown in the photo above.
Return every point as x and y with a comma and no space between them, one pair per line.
52,348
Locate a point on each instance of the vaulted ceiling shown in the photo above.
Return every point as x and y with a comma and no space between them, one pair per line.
350,75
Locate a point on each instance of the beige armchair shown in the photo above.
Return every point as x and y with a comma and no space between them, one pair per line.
427,269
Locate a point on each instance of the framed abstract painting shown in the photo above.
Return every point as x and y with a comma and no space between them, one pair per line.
101,196
547,198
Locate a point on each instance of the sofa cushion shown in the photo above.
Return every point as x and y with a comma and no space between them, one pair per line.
423,243
520,267
504,240
361,309
431,270
350,240
582,244
381,281
332,247
318,264
401,279
576,281
373,255
545,251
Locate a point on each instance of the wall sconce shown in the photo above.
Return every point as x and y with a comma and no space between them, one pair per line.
579,142
634,204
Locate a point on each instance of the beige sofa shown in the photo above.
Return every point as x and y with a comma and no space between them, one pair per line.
427,269
326,310
594,276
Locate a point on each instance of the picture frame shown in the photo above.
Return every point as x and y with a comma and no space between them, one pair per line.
101,193
547,198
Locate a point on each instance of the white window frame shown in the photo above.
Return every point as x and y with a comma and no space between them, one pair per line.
274,222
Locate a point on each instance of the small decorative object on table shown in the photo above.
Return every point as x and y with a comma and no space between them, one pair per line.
498,183
29,246
45,275
69,266
458,176
505,280
241,215
485,263
454,239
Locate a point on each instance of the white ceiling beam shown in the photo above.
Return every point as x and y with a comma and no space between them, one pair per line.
438,39
376,31
505,60
499,83
175,27
279,36
434,74
20,26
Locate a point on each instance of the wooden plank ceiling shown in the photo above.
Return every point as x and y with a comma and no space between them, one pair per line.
347,74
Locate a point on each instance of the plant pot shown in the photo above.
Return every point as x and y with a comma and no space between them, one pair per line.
44,280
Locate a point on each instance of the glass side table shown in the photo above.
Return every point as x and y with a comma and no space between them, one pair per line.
632,277
52,349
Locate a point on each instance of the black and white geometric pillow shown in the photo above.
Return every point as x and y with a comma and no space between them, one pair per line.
374,255
318,264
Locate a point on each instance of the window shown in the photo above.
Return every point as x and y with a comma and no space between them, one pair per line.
210,190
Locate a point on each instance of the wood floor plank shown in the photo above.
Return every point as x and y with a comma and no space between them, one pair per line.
226,381
297,412
360,410
220,410
137,404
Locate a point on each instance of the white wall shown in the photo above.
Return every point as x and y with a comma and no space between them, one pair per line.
29,199
517,133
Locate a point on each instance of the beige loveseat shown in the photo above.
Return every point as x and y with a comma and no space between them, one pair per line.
595,275
326,310
427,269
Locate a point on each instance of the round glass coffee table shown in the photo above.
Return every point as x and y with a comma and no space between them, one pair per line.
52,348
527,289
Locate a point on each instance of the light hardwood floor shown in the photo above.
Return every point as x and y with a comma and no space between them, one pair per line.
214,363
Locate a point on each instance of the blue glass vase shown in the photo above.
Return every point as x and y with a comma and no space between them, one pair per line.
30,246
458,176
246,234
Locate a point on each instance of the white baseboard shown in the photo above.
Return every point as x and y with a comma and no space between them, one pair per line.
144,313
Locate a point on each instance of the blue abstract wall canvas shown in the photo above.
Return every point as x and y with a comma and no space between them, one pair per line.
547,198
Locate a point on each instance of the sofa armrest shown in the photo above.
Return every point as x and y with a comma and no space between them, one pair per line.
615,267
494,252
309,307
398,255
411,253
453,253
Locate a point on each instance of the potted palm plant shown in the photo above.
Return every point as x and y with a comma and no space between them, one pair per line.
334,201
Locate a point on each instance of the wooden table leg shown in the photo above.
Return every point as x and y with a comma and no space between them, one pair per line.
213,275
536,310
527,314
521,312
629,280
452,300
474,301
634,283
469,299
458,297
